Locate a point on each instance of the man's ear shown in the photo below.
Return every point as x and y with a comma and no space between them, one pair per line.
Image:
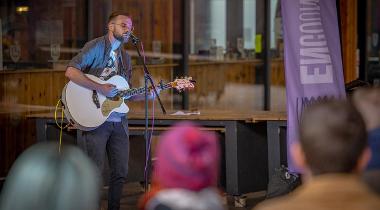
110,26
298,156
363,160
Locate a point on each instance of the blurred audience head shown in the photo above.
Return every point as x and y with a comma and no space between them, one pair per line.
187,157
333,139
367,101
44,179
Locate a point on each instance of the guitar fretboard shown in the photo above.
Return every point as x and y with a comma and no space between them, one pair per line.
138,91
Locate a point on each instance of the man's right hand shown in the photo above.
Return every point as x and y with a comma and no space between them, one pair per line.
79,78
108,90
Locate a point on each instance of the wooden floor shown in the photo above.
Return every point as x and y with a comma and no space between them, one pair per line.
133,191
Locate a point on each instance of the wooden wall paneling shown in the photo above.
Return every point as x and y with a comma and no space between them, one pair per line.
162,26
198,73
135,10
40,88
146,22
16,134
2,88
16,88
240,73
348,21
277,72
8,144
177,21
58,82
153,20
211,79
248,73
99,17
81,20
3,148
3,128
32,88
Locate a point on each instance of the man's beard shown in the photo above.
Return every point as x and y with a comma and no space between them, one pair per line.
122,38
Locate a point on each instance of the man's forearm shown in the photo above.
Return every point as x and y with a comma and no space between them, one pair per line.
79,78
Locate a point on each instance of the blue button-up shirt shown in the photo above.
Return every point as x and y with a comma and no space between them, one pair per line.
93,58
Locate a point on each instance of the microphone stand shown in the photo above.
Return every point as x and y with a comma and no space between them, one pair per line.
147,77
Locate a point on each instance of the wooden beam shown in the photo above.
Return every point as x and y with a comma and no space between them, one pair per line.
348,22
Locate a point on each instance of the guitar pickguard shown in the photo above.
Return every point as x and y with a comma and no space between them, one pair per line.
108,105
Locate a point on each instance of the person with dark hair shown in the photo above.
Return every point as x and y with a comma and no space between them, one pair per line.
367,101
44,178
105,57
332,152
186,171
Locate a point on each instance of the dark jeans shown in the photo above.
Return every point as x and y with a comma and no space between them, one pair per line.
113,138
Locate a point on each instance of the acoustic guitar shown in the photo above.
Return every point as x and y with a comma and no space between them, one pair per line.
88,109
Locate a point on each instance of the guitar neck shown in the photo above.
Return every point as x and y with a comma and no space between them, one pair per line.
138,91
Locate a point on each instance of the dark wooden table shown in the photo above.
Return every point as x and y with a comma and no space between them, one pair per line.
251,143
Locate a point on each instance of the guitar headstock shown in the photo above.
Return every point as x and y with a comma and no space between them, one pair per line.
184,83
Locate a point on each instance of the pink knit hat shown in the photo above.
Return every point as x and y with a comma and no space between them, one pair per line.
187,157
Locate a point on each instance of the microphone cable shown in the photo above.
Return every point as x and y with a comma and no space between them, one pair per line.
60,126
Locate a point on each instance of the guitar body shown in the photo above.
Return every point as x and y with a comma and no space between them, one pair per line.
80,108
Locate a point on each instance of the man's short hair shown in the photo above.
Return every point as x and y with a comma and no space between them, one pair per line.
114,14
332,136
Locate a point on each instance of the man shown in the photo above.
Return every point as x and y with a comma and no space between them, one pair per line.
332,152
104,57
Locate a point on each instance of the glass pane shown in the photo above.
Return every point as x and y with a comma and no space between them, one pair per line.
41,34
39,38
373,45
226,47
278,92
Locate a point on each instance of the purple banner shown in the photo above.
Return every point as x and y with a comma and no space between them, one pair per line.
313,65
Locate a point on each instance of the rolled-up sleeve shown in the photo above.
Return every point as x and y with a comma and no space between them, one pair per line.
85,58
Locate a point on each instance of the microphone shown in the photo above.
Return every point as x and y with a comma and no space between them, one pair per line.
134,38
